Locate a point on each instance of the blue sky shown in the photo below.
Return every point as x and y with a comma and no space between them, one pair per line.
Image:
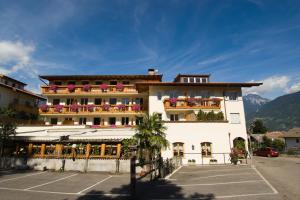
234,41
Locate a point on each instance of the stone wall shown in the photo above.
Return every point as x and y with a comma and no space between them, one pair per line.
82,165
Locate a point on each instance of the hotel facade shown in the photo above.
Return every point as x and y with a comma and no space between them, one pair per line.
88,116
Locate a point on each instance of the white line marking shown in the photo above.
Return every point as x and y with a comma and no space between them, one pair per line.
266,181
94,184
219,170
168,177
207,184
221,175
50,182
33,174
64,193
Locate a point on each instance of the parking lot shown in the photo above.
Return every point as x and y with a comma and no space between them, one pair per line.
188,182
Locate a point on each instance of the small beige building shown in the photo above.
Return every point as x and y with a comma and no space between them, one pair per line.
292,139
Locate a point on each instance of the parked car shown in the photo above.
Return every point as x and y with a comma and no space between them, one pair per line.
267,152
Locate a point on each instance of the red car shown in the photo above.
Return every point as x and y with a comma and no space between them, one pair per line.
267,152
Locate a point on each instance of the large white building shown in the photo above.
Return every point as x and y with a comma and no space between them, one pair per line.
203,118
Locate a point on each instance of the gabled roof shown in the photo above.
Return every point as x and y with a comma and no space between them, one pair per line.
292,133
22,91
102,77
12,79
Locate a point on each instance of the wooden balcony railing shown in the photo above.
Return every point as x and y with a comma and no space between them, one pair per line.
92,89
25,108
92,109
192,103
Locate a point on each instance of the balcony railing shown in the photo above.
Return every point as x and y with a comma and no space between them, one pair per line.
192,103
91,109
24,108
91,89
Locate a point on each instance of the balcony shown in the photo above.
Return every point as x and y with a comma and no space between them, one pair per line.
24,108
192,103
105,109
88,90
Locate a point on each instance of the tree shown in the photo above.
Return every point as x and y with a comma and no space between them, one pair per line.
150,137
257,127
7,128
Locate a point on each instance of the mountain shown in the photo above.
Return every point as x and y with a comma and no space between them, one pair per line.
253,102
282,113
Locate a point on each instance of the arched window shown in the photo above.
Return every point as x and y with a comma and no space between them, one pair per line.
178,149
206,149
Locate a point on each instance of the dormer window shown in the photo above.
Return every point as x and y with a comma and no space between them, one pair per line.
57,83
204,80
113,82
185,80
198,80
192,80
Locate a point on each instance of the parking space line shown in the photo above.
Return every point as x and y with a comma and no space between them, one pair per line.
169,176
63,193
219,170
94,185
208,184
10,179
244,195
265,180
51,182
220,175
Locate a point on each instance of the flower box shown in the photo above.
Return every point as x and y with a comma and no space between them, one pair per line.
86,88
44,108
71,87
191,101
105,107
136,107
74,108
95,126
121,107
113,126
173,101
120,87
53,88
104,87
90,108
58,108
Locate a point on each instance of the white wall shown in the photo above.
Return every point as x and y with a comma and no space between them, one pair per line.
292,143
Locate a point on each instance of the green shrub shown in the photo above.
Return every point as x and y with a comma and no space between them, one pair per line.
291,152
210,116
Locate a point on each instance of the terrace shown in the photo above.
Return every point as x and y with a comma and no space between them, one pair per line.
192,103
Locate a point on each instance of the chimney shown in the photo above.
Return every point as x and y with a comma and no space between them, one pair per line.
152,71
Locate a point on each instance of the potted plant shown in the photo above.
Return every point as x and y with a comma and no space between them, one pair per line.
104,87
136,107
173,102
121,107
90,108
120,87
71,87
44,108
74,108
58,108
105,107
86,87
53,87
234,158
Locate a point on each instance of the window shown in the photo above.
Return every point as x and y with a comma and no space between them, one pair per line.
297,140
53,121
112,101
125,82
84,101
206,149
235,118
185,80
68,119
82,121
98,101
232,96
139,101
113,82
192,80
98,82
71,83
173,94
174,117
159,116
110,150
125,101
97,120
205,94
70,101
138,120
159,95
57,83
198,80
112,121
56,102
178,149
125,121
85,82
14,85
204,80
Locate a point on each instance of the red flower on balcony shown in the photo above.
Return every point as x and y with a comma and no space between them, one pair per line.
191,101
121,107
103,87
106,107
136,107
95,126
58,108
74,107
173,101
44,107
71,88
53,88
113,126
120,87
90,108
86,87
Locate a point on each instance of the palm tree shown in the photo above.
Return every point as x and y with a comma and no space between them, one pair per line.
150,137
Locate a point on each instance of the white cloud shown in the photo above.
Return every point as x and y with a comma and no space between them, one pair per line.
272,86
294,88
14,56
